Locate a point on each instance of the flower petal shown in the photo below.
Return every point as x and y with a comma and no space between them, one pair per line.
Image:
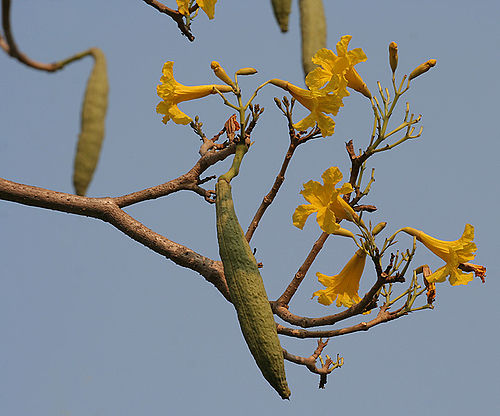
301,214
327,221
332,176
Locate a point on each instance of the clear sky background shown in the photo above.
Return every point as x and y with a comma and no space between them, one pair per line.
93,323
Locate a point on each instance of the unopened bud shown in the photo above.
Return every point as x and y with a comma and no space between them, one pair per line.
393,56
279,83
379,227
419,70
221,74
246,71
344,233
355,82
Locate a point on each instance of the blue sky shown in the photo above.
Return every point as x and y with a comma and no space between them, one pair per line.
95,324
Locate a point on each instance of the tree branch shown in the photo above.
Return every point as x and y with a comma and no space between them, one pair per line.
383,316
174,14
310,362
9,45
295,140
287,295
108,211
188,181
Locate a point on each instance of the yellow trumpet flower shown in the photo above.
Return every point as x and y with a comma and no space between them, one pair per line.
344,286
326,201
318,102
337,70
173,93
452,252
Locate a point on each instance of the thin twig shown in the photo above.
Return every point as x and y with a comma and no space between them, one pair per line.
174,14
326,368
9,45
287,295
383,316
295,141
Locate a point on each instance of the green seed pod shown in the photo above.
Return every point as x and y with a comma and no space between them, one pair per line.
313,31
248,293
282,9
95,104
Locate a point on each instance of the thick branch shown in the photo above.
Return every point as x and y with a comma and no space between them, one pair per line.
108,211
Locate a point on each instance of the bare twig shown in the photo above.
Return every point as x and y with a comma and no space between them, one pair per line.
295,140
188,181
326,368
383,316
287,295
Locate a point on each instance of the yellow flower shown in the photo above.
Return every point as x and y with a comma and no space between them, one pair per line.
318,102
345,285
326,201
208,6
173,93
452,252
337,71
327,86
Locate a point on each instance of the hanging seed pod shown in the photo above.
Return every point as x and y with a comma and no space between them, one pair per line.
94,106
313,31
282,9
247,292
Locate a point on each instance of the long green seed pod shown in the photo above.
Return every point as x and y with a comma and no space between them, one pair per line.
248,293
95,104
282,9
313,31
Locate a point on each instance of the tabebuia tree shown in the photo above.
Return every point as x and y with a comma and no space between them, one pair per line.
335,202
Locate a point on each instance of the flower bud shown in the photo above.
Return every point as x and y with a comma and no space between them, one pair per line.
279,83
355,82
393,56
246,71
419,70
221,74
379,227
344,233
